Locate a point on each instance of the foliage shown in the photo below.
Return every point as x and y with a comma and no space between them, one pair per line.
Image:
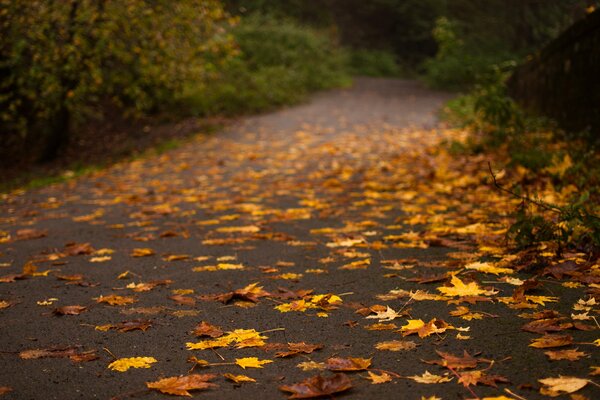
279,62
373,63
472,36
540,156
63,60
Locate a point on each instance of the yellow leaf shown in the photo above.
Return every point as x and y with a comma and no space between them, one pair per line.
251,362
428,378
459,288
488,268
239,378
123,364
377,379
562,384
142,252
209,344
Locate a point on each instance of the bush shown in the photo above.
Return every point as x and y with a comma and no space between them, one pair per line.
62,60
365,62
279,62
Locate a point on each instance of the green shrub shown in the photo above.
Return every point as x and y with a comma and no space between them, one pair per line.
365,62
61,61
279,62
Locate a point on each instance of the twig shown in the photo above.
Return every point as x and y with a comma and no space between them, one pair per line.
507,390
110,352
538,203
459,378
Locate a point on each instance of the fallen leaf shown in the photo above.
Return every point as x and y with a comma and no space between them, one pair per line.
563,384
424,329
205,329
181,385
141,252
251,362
69,310
551,341
115,300
297,348
451,361
311,365
29,233
428,378
318,386
396,345
385,316
378,379
459,288
123,364
347,364
570,354
239,378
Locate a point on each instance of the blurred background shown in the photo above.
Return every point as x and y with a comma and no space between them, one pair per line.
99,75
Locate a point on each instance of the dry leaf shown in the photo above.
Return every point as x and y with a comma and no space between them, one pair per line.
239,378
396,345
141,252
428,377
547,341
570,354
459,288
347,364
123,364
251,362
181,385
115,300
563,384
69,310
318,386
378,379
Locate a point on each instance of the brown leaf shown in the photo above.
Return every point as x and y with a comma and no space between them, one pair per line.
318,386
297,348
26,234
5,389
396,345
551,341
455,362
479,377
12,278
183,300
347,364
128,326
71,352
570,354
181,385
115,300
75,249
206,329
546,325
69,310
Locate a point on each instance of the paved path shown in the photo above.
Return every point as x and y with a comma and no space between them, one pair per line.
321,197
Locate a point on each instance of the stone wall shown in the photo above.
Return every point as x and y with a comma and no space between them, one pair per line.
563,80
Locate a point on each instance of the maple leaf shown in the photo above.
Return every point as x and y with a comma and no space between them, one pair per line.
347,364
562,384
297,348
115,300
239,378
459,288
181,385
209,344
551,341
455,362
251,362
318,386
428,378
570,354
378,379
126,326
381,327
477,377
388,315
424,329
183,300
396,345
123,364
205,329
489,268
546,325
69,310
